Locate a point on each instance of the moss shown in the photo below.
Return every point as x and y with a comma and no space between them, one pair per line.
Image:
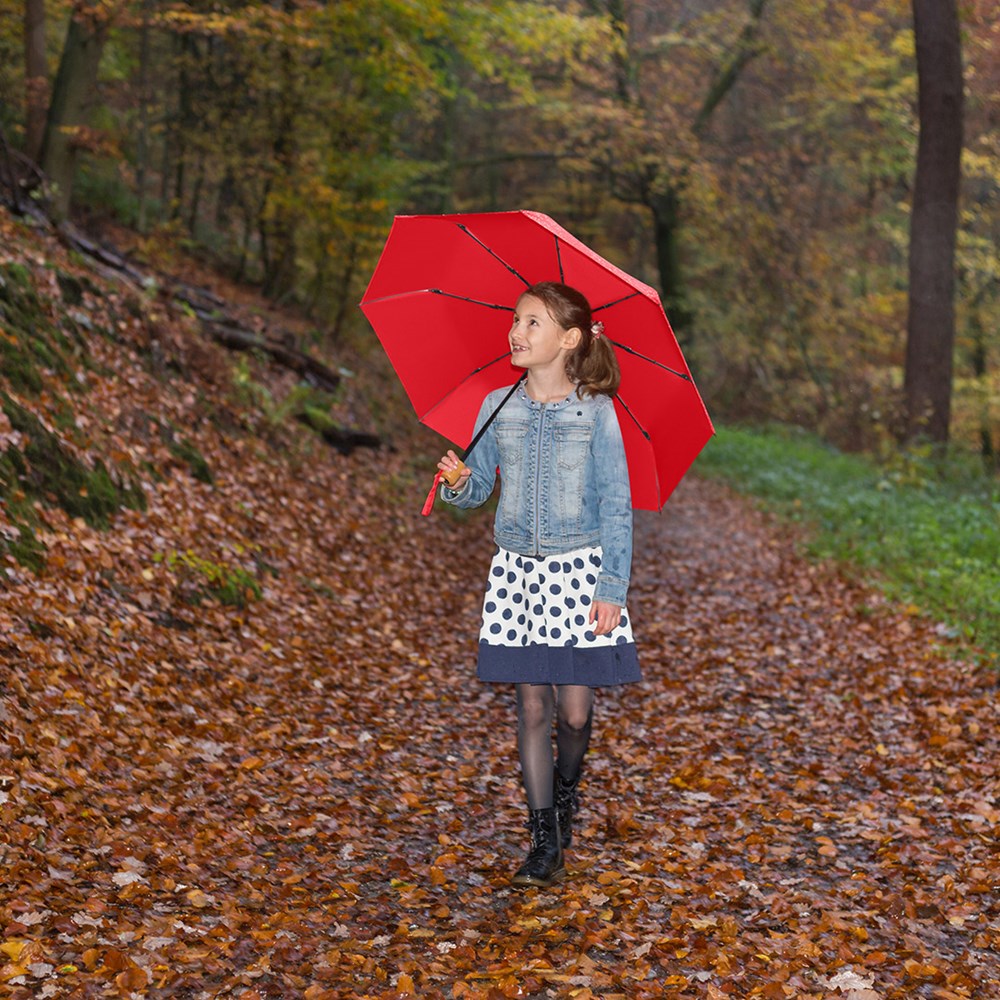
18,367
17,537
28,550
202,578
195,461
51,474
317,419
19,303
18,274
63,414
71,288
29,343
73,340
152,471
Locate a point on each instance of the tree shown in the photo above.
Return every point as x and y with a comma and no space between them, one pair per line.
931,324
665,124
72,94
36,77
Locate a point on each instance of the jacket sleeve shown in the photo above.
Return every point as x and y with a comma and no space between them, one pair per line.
615,508
483,461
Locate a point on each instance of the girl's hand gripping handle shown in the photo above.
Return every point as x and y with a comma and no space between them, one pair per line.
452,476
451,470
454,471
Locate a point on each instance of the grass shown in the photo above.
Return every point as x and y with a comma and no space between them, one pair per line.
924,531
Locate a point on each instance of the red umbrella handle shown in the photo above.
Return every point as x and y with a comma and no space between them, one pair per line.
429,502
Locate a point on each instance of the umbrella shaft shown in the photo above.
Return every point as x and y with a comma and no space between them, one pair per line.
492,417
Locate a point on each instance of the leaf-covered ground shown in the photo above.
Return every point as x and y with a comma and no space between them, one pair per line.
312,796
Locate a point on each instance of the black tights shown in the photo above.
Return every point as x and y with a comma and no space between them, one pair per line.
574,708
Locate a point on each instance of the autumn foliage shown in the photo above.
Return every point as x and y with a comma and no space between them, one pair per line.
753,160
297,788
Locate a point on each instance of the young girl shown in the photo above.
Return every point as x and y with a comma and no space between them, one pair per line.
554,621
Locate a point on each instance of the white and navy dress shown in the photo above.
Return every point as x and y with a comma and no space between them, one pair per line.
564,491
536,624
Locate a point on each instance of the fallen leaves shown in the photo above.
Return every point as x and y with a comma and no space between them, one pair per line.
311,796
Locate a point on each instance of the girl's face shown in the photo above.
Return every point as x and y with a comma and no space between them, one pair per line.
536,339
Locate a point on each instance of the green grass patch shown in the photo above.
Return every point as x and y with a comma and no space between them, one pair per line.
926,532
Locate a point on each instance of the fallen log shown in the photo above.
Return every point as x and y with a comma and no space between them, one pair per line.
18,175
238,338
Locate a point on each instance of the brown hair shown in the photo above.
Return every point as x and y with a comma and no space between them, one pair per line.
592,364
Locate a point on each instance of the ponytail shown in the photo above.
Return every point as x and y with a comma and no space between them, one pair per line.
592,364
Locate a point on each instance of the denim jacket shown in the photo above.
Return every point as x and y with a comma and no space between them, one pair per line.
563,481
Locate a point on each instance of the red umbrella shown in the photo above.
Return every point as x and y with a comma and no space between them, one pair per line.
441,301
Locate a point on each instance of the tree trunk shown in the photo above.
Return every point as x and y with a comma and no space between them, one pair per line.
199,182
665,208
979,370
142,151
74,87
279,231
729,71
36,75
186,124
930,334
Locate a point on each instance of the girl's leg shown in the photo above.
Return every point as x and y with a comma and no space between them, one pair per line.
575,715
535,704
544,863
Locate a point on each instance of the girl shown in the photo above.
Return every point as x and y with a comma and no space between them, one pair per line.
554,620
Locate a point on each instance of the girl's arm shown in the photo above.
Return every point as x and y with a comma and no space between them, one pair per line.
483,462
615,508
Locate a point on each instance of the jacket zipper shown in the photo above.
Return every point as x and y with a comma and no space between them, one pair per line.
538,481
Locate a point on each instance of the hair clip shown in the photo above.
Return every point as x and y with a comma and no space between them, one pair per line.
597,329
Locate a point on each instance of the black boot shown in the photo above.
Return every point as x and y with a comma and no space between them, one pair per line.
567,805
544,864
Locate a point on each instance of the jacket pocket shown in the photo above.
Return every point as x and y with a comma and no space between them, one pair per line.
571,444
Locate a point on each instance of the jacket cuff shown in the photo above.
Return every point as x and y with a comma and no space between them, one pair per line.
450,496
611,590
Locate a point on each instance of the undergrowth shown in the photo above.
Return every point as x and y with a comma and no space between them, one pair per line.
927,532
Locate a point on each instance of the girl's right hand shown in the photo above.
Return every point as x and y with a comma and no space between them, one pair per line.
454,471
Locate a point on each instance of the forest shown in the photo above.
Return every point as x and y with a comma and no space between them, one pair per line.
752,159
244,751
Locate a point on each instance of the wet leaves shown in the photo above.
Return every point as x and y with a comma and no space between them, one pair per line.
312,796
314,793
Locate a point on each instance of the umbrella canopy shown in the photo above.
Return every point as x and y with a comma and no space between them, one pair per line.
441,302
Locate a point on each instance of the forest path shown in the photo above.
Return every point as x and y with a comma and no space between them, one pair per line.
315,798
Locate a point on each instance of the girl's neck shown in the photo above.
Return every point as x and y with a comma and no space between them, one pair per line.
548,387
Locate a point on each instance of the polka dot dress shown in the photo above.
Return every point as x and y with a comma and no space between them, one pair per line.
536,624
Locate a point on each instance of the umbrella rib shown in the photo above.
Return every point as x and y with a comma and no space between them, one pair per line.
489,364
608,305
652,361
474,372
465,298
562,275
520,277
645,434
625,407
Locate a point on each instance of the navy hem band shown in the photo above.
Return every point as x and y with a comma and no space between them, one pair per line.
605,666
